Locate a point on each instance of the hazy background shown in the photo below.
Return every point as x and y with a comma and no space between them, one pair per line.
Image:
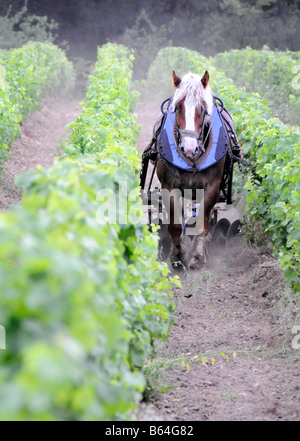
208,26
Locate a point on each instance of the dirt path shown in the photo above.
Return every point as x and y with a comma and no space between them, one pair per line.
37,144
230,353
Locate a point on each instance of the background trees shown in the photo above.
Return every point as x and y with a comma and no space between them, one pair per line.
206,26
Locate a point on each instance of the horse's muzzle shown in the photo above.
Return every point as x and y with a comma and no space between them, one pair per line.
190,143
191,149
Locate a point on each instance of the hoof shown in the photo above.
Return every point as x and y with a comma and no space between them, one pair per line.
198,256
197,262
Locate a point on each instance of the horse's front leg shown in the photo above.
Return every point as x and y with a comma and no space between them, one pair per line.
173,207
199,254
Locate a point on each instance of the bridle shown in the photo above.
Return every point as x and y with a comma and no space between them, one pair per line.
183,133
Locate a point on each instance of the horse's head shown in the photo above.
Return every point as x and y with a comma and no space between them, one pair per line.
192,103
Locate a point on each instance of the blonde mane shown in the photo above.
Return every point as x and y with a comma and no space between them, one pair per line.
191,88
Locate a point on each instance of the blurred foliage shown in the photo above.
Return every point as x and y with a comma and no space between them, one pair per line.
273,185
82,300
146,39
211,27
271,74
25,75
20,27
83,69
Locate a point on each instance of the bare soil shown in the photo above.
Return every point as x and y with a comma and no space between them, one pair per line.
230,354
37,145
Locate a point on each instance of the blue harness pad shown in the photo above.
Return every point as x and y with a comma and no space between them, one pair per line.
214,152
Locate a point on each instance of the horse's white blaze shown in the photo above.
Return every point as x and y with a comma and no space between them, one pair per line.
190,144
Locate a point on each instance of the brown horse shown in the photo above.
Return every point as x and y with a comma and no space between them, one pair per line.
192,103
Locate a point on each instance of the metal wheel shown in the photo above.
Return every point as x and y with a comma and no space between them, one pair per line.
233,233
219,236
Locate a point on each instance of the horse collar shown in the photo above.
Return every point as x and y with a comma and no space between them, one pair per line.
214,147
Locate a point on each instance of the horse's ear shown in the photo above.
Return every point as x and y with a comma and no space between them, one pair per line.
205,79
176,80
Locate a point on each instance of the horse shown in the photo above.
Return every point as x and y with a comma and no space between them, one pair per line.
192,104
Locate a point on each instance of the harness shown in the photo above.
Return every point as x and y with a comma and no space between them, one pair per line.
209,152
219,137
